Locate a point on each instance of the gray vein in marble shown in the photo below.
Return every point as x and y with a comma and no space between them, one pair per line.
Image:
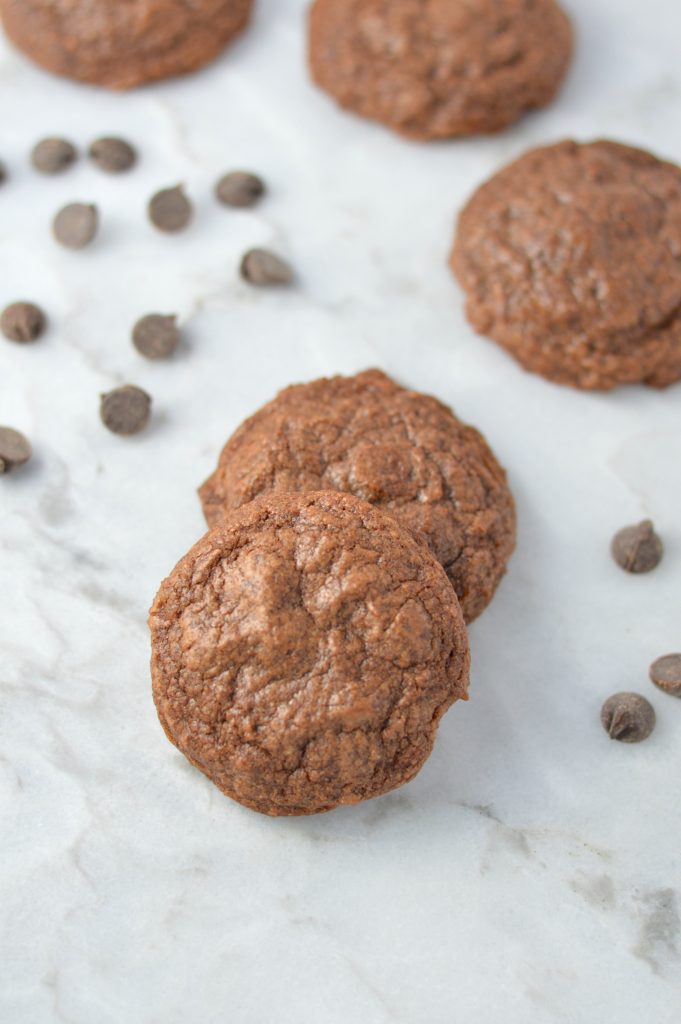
660,929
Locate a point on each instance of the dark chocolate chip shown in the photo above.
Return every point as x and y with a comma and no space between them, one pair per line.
51,156
262,267
22,321
3,173
156,336
15,449
170,210
637,548
125,410
665,672
76,225
112,155
628,717
240,189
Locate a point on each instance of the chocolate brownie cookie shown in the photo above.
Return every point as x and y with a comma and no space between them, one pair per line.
123,43
571,260
433,69
304,652
398,449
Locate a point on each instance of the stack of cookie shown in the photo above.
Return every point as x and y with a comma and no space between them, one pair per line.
306,648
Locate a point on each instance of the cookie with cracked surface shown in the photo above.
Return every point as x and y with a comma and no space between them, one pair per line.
126,43
570,258
401,450
304,651
434,69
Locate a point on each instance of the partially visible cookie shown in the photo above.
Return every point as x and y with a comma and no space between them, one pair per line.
123,43
571,260
433,69
304,651
401,450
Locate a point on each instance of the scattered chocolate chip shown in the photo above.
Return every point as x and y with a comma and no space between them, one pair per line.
156,336
112,155
125,410
262,267
665,672
3,173
51,156
637,548
22,321
15,449
628,717
170,209
239,188
76,225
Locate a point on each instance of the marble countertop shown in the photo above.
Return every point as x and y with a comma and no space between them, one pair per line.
531,874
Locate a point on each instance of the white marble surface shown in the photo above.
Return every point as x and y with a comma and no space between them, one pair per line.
532,873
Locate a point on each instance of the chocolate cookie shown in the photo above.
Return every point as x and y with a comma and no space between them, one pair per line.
304,652
398,449
571,260
433,69
123,43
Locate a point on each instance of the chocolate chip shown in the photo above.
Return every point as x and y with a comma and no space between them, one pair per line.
15,449
156,336
51,156
170,210
261,267
22,321
637,548
239,188
628,717
3,173
125,410
76,225
112,155
666,673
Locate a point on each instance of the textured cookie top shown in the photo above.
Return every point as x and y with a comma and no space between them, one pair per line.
121,43
398,449
575,251
439,68
304,651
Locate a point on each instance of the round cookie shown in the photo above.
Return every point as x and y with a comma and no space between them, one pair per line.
304,651
123,43
434,69
571,260
401,450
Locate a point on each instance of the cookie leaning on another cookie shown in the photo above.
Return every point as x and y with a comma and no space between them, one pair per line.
433,69
123,43
304,651
570,258
401,450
